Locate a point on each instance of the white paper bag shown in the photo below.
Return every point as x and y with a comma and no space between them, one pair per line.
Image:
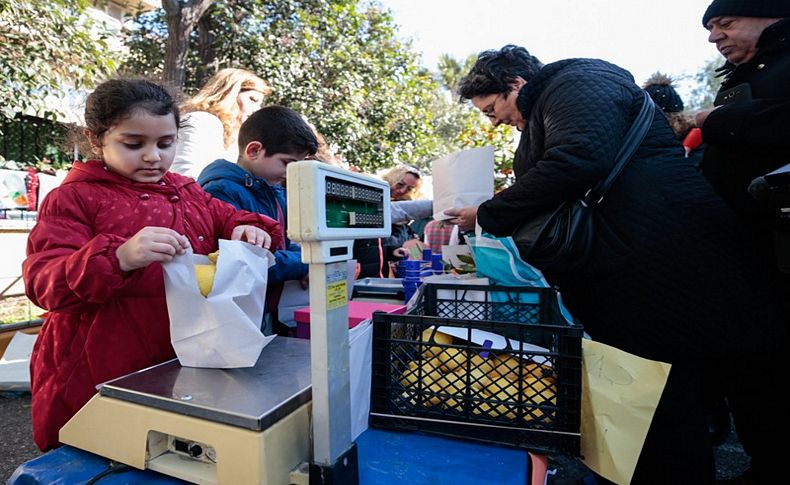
360,368
462,179
222,330
15,363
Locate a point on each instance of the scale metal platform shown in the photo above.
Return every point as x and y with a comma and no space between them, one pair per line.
206,425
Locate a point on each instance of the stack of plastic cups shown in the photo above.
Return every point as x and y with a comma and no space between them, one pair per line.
411,278
400,267
425,264
436,264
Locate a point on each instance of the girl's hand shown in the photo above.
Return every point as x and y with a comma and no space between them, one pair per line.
465,217
150,244
253,235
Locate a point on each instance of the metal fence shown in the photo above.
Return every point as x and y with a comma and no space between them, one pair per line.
28,139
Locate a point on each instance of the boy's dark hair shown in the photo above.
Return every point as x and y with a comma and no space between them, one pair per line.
495,70
118,98
279,130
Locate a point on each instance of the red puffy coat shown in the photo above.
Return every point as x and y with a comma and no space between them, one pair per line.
104,322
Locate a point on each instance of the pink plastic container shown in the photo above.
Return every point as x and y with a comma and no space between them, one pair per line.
358,311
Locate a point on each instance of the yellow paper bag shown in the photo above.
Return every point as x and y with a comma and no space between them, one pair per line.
620,392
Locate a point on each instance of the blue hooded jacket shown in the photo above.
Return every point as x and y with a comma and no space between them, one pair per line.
228,182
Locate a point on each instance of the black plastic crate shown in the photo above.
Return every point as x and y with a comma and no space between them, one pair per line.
517,396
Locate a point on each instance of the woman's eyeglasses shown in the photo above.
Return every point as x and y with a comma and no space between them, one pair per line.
489,110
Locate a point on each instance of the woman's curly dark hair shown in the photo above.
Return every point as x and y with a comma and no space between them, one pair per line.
495,70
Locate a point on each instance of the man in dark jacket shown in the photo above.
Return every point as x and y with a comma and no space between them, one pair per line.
746,137
671,277
746,134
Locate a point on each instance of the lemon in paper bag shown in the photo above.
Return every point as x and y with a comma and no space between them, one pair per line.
205,277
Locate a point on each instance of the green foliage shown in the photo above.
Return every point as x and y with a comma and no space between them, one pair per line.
146,46
33,142
452,70
465,127
707,85
46,47
363,87
338,62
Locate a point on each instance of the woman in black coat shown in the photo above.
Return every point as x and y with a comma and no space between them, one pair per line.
669,279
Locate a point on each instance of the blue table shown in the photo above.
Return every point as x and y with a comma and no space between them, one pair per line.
70,466
385,457
388,457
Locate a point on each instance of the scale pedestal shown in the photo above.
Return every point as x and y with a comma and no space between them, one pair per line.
206,425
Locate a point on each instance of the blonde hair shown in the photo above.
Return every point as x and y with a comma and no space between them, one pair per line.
395,175
219,96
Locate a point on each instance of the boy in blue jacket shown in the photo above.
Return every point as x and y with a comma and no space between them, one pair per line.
269,140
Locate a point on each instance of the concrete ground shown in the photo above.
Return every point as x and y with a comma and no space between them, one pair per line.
16,444
731,461
16,435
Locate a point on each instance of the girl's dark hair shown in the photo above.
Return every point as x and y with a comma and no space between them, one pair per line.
119,98
495,70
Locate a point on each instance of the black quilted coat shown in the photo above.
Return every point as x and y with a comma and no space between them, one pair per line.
671,278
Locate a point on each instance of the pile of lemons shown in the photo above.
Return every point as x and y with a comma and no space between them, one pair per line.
497,385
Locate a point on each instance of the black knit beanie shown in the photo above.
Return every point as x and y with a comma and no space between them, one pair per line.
660,89
772,9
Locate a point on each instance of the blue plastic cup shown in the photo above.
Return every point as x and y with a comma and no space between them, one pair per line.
436,264
410,286
426,254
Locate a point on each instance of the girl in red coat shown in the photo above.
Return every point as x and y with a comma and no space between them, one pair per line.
94,257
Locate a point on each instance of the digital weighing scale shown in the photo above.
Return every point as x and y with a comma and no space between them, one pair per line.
205,425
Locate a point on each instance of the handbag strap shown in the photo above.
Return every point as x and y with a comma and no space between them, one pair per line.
633,138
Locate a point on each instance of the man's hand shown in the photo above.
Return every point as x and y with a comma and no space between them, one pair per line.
253,235
150,244
465,217
702,115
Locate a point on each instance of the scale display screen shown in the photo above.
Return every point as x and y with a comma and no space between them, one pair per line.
328,203
353,205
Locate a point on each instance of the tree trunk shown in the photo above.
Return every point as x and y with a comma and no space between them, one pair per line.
206,52
182,17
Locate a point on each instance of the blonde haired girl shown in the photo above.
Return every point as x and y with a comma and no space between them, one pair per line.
213,117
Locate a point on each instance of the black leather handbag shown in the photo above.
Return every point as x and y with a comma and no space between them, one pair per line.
562,239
